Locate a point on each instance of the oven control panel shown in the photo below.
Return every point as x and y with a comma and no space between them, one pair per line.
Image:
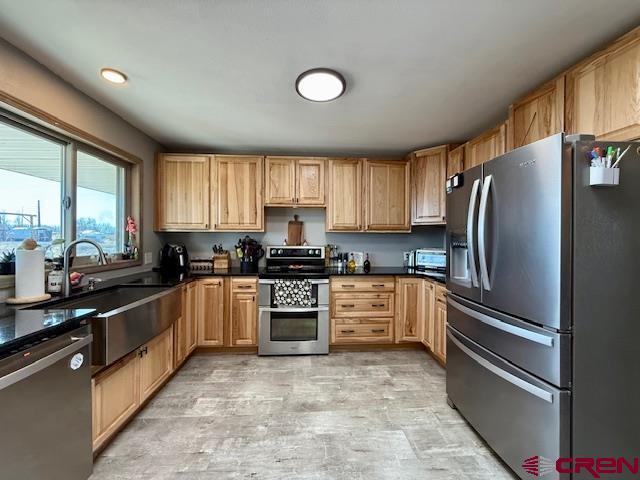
287,251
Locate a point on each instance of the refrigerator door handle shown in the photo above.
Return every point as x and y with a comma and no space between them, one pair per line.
512,379
482,227
471,220
505,327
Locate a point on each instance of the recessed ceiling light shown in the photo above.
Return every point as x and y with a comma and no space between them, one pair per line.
320,85
113,76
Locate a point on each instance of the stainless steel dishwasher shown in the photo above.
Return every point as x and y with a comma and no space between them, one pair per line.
45,405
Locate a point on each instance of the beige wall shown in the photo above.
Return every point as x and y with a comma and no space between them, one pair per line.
24,78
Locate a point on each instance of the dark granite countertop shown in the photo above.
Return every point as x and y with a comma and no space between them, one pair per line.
21,328
396,271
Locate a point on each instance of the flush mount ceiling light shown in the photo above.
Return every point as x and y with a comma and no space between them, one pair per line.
113,76
320,85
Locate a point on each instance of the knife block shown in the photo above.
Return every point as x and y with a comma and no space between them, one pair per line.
221,261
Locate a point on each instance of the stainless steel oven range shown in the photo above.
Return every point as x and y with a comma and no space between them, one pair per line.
294,302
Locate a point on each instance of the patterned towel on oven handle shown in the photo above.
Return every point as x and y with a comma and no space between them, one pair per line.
290,292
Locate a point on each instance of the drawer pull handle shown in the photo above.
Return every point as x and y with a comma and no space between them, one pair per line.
377,330
374,305
347,331
348,305
378,285
348,286
244,286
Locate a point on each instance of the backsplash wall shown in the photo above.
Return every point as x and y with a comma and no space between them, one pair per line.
385,249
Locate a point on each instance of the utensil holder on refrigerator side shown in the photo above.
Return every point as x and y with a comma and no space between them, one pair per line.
604,177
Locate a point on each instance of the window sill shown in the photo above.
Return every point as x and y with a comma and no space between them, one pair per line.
104,268
7,281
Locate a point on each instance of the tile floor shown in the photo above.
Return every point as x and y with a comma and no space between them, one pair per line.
351,416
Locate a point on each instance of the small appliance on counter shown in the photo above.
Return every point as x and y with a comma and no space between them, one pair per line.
429,259
174,258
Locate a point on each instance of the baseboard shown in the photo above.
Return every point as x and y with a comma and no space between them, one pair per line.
226,350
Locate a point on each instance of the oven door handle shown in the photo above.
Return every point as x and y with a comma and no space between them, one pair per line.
294,309
319,281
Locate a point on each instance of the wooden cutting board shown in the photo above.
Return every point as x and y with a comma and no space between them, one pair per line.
294,233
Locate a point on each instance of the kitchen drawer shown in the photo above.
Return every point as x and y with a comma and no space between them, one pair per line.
359,304
517,414
545,353
367,284
441,293
362,330
244,284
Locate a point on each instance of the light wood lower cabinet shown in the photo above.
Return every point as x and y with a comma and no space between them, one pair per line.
409,305
211,310
116,396
428,313
439,346
244,312
191,300
118,391
362,310
156,363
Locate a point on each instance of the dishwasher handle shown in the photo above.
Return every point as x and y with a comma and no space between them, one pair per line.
77,343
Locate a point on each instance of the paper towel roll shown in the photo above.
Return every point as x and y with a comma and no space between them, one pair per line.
29,273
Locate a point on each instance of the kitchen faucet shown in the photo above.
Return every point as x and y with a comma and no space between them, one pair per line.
66,286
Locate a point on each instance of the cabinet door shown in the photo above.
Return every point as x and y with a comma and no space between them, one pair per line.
244,319
280,180
116,396
191,315
182,192
486,146
180,335
344,207
428,313
440,331
455,161
310,181
538,115
239,193
156,363
409,301
429,174
387,201
603,92
211,312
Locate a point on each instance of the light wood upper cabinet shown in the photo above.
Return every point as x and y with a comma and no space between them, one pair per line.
603,92
296,181
537,115
280,181
409,305
455,161
244,312
238,193
486,146
182,192
156,363
211,312
310,181
387,187
115,397
344,206
429,172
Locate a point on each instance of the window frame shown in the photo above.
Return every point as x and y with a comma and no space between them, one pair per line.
130,202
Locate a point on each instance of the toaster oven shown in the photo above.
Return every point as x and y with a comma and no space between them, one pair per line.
430,259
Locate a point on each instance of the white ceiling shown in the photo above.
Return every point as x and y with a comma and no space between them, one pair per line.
219,75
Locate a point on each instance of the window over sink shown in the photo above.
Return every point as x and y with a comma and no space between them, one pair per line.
56,189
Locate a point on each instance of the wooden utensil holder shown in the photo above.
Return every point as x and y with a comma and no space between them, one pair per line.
221,261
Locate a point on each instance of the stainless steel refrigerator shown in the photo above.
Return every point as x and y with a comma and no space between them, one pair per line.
543,336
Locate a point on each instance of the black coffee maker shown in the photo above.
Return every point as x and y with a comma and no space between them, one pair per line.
174,258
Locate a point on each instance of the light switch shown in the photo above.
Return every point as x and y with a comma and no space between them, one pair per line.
148,258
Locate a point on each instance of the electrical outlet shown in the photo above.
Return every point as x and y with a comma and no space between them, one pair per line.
148,258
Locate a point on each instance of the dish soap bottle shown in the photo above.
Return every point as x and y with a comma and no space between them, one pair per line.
352,264
366,266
